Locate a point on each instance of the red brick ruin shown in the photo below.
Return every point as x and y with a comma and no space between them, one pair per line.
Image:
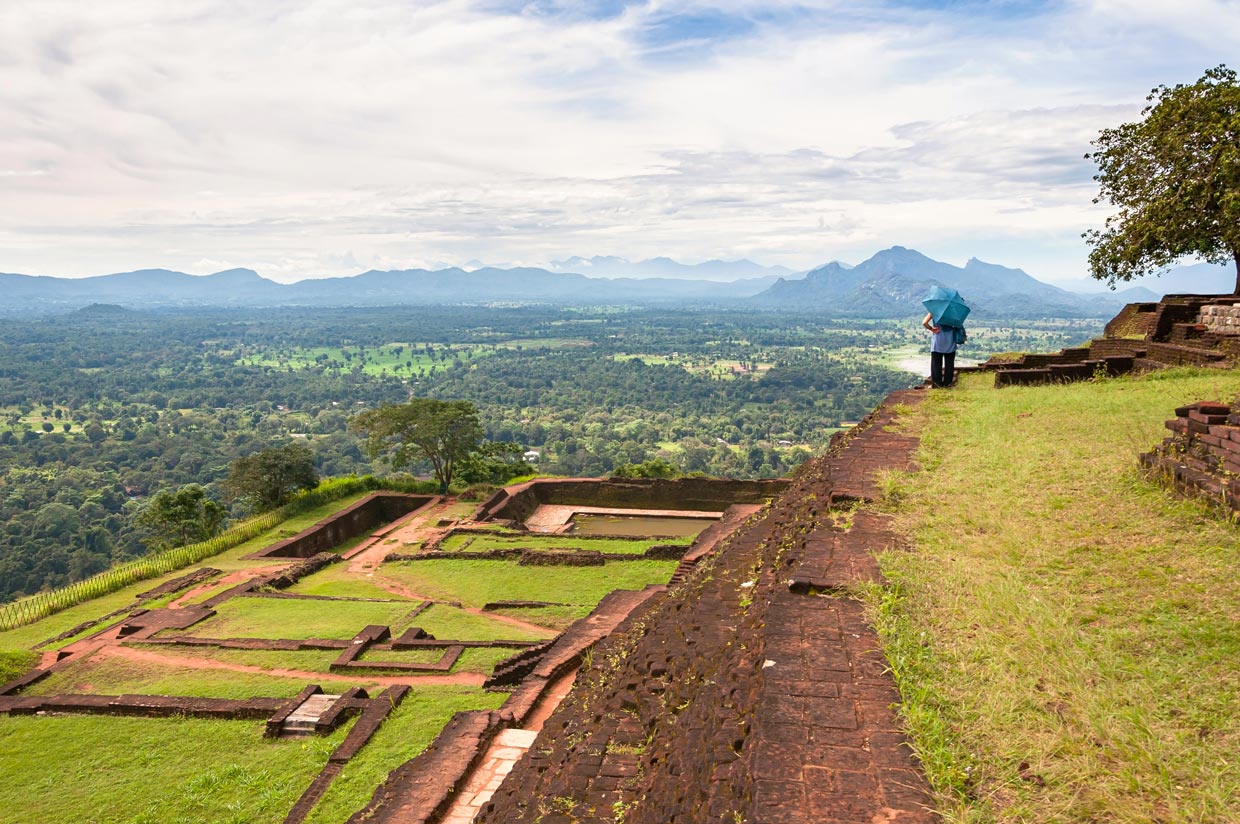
752,687
1179,330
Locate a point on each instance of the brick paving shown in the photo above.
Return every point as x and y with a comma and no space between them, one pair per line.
755,690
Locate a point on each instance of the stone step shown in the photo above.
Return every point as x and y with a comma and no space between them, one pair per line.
303,719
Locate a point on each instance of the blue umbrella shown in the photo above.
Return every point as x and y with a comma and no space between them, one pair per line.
946,307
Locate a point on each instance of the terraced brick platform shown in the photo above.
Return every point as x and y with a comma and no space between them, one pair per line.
754,690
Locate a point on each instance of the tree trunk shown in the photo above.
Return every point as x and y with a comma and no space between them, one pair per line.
1235,254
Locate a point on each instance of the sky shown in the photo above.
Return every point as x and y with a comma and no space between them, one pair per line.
314,138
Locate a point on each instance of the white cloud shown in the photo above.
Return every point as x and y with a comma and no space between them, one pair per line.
325,137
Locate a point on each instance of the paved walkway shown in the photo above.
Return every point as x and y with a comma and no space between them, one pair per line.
509,747
366,557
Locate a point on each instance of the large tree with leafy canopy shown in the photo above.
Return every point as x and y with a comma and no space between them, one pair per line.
269,478
445,433
1175,178
178,518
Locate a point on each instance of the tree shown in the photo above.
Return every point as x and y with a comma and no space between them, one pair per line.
269,478
653,468
493,462
445,433
1175,177
178,518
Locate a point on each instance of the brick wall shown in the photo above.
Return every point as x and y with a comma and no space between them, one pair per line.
1221,317
1202,456
703,494
370,512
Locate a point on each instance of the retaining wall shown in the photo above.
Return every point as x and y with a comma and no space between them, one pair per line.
1202,456
699,494
376,509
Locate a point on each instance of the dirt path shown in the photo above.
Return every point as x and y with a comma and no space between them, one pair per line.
418,528
230,580
54,659
472,679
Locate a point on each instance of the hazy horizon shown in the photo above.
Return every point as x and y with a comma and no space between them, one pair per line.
322,140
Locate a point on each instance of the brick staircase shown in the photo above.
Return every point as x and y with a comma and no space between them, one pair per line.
302,720
1179,330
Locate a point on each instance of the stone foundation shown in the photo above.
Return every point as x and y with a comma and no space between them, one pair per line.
1202,457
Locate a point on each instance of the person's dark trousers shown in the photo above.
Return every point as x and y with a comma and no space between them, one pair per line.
942,368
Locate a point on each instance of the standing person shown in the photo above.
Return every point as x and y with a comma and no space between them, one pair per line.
942,351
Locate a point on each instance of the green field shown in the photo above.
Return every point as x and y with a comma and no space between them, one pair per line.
116,676
475,583
396,359
1065,633
95,770
555,617
211,770
336,581
718,368
278,617
447,622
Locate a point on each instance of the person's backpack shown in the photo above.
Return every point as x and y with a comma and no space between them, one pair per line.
960,335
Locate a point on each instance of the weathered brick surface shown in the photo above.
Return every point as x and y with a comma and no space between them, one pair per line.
154,706
736,695
1201,458
1196,330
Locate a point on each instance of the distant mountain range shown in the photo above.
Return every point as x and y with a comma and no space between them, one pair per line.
889,284
662,267
1194,279
894,281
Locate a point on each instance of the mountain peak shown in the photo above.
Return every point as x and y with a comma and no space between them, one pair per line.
239,275
893,281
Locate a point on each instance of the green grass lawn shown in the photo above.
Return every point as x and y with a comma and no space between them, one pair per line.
474,583
480,660
309,660
16,663
555,617
460,509
337,581
115,676
1066,634
289,618
407,732
450,623
95,770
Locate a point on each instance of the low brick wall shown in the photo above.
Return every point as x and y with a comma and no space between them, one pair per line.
1202,456
700,494
374,510
151,706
